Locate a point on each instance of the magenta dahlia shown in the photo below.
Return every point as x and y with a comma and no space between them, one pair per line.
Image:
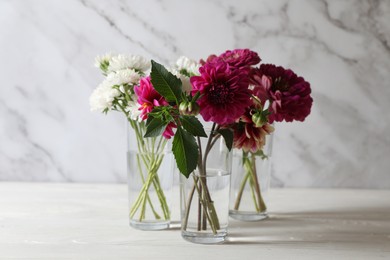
225,93
168,132
247,136
148,97
289,94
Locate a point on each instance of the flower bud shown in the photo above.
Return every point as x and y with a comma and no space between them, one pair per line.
194,108
258,119
183,108
189,108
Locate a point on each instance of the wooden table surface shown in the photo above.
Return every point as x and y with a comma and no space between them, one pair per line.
89,221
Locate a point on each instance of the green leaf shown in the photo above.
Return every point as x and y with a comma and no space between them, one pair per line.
193,126
228,136
165,83
155,127
185,150
261,154
150,119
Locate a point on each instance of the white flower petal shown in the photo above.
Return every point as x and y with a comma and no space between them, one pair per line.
186,84
187,64
134,111
102,97
103,58
125,76
128,61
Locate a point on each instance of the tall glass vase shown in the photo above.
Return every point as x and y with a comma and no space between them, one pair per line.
205,195
250,183
150,179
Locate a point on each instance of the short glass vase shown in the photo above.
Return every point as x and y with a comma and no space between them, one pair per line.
205,195
250,183
150,179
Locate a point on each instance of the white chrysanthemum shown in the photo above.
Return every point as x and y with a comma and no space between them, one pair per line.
134,112
102,97
106,58
186,84
191,66
128,61
125,76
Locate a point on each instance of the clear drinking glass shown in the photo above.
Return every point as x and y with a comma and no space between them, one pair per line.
251,173
205,196
150,179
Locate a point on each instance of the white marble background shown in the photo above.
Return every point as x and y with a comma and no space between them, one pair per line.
47,48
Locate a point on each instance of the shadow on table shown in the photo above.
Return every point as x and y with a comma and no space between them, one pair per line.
342,226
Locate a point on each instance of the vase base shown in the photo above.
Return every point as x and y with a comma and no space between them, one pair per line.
149,225
204,238
248,215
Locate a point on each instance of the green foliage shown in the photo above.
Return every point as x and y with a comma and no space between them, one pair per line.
227,134
185,150
155,127
193,126
261,154
165,83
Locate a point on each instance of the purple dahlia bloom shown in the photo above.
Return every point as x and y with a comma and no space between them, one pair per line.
288,93
225,93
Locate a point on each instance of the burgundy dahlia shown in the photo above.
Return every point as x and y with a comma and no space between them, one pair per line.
238,58
289,95
225,93
247,136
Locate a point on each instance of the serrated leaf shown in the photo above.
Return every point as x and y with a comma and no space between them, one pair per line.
193,126
185,150
227,134
150,118
155,127
165,83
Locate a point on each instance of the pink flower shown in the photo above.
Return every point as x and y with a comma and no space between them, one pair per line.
225,93
247,136
168,133
289,95
238,58
148,97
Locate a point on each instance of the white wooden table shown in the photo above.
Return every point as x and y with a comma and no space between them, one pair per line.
89,221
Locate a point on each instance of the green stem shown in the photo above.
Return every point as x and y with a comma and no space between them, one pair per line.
188,208
144,191
156,215
148,158
159,191
206,203
208,208
152,163
249,165
241,192
253,193
255,178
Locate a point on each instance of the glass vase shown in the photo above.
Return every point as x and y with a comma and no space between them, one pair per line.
205,195
150,179
251,174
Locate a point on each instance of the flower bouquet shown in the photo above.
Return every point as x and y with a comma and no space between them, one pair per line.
278,94
239,101
124,88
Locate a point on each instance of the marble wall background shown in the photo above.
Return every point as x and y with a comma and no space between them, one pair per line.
47,132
